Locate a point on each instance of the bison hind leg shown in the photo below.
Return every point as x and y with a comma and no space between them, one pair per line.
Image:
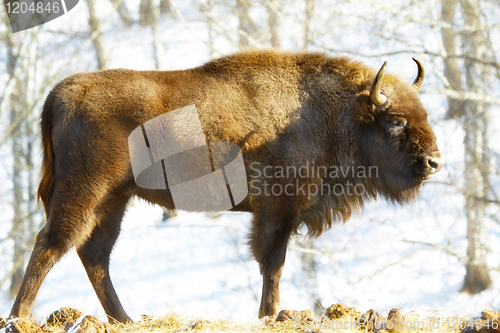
43,257
64,229
95,255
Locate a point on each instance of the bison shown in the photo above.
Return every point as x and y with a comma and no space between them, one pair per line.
321,115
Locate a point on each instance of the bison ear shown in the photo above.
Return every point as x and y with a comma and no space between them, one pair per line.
363,110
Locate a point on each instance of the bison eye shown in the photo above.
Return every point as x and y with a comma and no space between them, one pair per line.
396,126
397,122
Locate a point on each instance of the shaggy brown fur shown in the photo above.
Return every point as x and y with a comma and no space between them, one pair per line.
286,110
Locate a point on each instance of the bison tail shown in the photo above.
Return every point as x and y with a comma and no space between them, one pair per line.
46,186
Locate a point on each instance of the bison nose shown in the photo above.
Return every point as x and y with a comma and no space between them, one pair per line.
433,163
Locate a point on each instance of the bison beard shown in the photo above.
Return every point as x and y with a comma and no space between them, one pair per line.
282,109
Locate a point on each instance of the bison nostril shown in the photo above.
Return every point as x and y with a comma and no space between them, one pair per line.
433,162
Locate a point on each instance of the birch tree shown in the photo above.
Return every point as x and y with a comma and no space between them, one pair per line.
473,114
97,36
19,99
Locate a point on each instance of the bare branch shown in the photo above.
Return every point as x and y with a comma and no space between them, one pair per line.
486,62
467,96
304,250
394,263
13,80
435,23
98,40
122,10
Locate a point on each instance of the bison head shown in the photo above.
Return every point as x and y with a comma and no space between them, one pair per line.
393,134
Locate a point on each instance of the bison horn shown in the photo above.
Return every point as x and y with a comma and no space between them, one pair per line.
420,76
377,98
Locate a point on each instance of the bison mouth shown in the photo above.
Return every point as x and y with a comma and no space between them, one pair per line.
427,177
400,185
404,184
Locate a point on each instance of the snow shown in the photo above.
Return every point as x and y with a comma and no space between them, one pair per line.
190,264
201,267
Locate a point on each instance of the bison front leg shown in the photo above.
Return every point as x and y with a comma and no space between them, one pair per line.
268,240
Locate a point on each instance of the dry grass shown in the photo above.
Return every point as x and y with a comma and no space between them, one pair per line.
176,323
412,323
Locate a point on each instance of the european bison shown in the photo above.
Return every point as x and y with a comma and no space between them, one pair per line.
319,135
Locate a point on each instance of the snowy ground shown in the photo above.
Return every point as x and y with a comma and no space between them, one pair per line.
200,266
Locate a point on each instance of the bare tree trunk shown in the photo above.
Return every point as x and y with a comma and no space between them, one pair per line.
246,26
98,37
18,231
150,16
308,39
165,7
451,71
475,121
159,46
146,13
17,200
31,204
31,140
21,100
122,10
476,183
477,152
211,33
273,8
22,52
